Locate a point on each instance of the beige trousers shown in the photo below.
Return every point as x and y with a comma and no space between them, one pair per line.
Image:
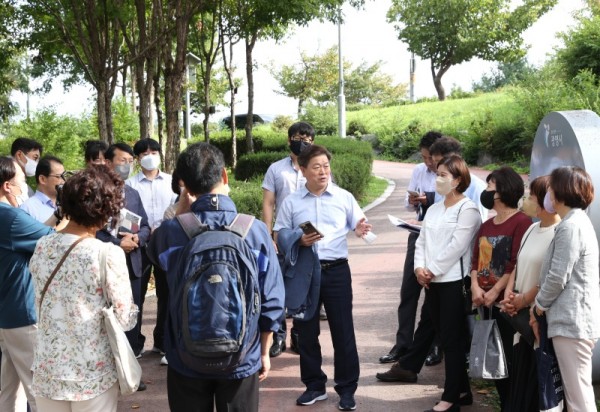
105,402
575,362
17,357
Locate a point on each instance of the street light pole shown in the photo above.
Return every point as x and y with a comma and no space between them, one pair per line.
341,97
412,77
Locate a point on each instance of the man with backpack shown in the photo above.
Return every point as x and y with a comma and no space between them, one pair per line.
226,292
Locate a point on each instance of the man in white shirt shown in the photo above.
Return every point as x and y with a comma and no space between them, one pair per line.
154,187
27,153
49,174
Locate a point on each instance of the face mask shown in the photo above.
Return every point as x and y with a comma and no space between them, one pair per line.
443,185
30,166
298,147
487,198
150,162
123,170
529,207
548,204
22,196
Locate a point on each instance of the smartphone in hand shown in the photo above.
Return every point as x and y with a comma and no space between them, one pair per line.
308,228
413,193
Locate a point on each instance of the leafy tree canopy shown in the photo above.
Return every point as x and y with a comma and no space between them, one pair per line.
450,32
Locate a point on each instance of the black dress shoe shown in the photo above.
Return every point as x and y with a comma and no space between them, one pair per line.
464,400
393,356
142,387
435,356
397,374
277,347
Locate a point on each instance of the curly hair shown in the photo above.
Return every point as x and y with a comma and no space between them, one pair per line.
92,196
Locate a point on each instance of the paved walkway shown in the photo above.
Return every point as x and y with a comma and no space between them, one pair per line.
377,273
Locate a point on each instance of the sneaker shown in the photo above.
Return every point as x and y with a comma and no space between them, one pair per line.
158,350
310,397
347,402
164,361
140,353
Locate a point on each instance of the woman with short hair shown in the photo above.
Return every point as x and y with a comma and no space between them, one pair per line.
73,359
569,290
442,256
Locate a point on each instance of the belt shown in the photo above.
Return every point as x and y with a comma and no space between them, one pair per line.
328,264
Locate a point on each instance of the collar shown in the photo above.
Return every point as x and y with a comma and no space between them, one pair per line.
213,202
331,190
43,198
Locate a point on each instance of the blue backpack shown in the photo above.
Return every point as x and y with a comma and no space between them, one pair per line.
215,301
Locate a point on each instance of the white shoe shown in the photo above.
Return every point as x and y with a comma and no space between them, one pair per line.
157,350
164,361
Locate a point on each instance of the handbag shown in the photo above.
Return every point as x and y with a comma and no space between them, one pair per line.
520,323
551,392
466,291
129,371
486,358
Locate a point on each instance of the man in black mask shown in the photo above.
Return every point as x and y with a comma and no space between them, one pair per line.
283,178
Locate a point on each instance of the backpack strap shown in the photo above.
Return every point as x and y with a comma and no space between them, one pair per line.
241,224
192,226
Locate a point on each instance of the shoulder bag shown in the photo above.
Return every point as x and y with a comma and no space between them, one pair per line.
486,358
129,370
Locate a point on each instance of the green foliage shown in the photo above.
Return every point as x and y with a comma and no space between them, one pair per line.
356,128
322,118
401,144
452,32
61,136
351,172
222,140
581,47
366,84
511,73
282,123
126,125
256,164
247,196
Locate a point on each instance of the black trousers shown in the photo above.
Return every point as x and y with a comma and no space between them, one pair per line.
203,395
133,335
336,295
445,304
162,298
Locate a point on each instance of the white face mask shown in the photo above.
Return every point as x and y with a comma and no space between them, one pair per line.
150,162
443,185
30,166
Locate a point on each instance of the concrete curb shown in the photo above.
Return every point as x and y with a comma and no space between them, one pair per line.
390,189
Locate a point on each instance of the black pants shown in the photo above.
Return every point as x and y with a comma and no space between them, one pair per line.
336,295
203,395
445,304
162,298
133,335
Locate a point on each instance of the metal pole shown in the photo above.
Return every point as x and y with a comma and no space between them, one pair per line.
412,77
188,124
341,97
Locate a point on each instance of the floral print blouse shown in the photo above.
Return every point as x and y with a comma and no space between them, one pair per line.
73,360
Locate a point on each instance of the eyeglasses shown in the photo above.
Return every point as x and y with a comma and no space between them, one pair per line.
299,138
64,175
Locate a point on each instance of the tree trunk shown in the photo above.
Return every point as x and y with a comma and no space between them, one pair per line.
250,78
300,103
206,82
104,108
437,79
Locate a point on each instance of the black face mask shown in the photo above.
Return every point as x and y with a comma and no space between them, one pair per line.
298,147
487,198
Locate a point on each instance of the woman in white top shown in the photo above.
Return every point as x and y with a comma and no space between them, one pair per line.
521,289
442,256
73,363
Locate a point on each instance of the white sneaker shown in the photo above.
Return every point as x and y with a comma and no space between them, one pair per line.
164,361
157,350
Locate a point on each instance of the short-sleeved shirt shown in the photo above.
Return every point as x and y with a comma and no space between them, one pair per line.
496,248
282,179
335,212
18,237
39,206
156,194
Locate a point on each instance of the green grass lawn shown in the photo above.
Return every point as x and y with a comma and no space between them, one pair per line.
375,189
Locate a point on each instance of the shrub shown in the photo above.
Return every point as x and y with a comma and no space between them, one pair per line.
222,140
323,118
247,196
356,128
256,164
352,173
402,144
282,123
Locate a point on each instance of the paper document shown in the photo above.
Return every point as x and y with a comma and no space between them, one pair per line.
129,221
404,224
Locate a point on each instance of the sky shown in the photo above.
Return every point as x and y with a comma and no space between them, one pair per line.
366,36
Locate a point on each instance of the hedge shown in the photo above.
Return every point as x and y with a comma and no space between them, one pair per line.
252,165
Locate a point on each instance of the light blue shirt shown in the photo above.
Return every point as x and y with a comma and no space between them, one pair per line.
334,213
39,206
282,179
422,180
157,195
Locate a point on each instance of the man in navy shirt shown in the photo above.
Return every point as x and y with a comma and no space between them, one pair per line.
202,169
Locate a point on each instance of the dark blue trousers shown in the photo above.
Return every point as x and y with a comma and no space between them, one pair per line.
336,295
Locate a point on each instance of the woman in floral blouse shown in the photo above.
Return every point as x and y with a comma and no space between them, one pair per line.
73,360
